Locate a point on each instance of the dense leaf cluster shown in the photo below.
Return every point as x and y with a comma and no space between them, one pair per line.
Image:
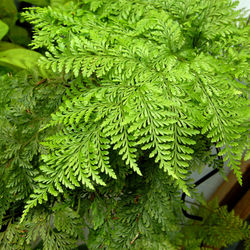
130,97
158,85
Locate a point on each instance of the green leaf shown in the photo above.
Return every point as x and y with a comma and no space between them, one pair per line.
19,35
19,58
8,12
58,3
37,2
4,28
6,46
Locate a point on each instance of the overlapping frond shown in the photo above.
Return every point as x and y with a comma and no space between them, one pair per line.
156,74
133,93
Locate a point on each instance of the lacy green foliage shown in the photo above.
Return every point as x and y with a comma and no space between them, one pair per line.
247,244
142,92
143,219
234,229
58,229
26,104
13,237
219,227
202,155
162,76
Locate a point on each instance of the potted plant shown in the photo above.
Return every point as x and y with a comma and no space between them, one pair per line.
98,144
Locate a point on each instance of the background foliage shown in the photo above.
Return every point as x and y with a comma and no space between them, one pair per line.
100,135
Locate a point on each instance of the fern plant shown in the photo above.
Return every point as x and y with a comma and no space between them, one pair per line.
132,96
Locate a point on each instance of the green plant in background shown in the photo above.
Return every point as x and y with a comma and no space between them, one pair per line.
100,142
3,29
15,38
